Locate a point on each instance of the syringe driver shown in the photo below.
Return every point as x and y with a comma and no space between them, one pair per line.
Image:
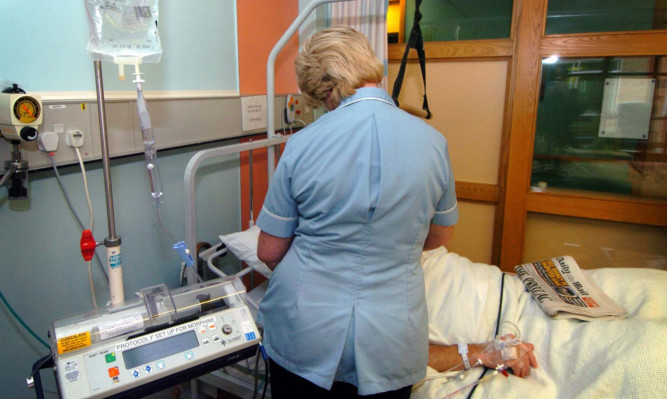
155,341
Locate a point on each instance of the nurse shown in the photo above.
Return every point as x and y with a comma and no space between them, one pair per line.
356,197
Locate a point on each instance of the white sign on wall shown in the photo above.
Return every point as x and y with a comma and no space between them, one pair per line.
626,108
253,109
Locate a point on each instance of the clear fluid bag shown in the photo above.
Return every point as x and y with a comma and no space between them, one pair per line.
123,29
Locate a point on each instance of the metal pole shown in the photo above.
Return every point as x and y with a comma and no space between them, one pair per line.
252,216
270,77
112,243
99,85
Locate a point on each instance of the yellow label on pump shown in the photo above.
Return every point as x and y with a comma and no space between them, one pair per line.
73,342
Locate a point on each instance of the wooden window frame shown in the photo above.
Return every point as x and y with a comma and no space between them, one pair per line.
513,195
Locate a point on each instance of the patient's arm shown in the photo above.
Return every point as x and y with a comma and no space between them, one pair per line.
446,357
438,236
271,249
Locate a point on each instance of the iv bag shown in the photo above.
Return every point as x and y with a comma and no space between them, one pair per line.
123,29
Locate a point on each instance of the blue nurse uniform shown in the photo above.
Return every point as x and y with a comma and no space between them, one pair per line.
358,190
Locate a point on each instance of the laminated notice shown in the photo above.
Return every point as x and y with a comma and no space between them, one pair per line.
73,342
115,328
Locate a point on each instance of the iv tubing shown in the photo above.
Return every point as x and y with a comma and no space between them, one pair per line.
270,77
150,152
148,139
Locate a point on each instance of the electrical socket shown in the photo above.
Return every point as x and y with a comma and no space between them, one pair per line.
74,138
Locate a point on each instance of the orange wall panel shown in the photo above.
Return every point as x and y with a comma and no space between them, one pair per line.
261,23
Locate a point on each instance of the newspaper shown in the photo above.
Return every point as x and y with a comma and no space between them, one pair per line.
563,290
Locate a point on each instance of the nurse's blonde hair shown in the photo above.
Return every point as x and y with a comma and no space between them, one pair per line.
333,64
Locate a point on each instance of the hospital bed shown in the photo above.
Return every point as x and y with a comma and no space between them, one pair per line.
624,358
473,302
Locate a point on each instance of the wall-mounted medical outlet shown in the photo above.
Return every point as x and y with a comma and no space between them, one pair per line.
207,120
290,108
294,111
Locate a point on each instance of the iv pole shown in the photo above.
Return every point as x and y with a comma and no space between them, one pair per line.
112,242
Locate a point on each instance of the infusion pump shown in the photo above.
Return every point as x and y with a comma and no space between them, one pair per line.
154,342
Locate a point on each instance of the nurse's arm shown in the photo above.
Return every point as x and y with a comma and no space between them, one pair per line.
438,236
272,249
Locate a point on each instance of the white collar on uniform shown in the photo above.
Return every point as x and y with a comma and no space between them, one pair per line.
366,98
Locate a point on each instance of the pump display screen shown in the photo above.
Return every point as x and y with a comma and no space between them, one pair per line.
160,349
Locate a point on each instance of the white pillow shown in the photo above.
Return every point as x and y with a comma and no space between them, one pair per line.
462,298
244,246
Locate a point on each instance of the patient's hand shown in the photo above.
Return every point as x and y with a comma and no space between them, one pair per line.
446,358
520,361
525,360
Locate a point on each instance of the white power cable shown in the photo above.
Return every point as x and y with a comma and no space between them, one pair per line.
90,211
85,186
76,216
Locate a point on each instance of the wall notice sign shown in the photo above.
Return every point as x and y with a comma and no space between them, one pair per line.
626,107
253,110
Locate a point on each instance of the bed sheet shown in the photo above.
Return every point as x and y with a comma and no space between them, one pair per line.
624,358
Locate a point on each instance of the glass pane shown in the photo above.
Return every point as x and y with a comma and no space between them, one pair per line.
601,126
461,19
576,16
595,244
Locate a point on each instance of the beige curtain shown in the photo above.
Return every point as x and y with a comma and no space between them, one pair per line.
368,17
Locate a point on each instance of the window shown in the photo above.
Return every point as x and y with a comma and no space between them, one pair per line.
601,126
461,19
576,16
